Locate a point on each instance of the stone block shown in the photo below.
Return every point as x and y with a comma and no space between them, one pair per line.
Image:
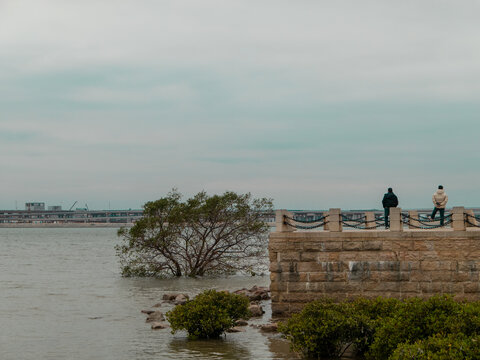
410,287
409,265
333,246
308,266
373,245
309,256
343,287
439,275
471,287
318,277
290,256
296,287
352,245
431,287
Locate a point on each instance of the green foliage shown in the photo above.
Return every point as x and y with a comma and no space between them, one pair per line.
209,314
438,347
202,235
322,329
381,327
419,319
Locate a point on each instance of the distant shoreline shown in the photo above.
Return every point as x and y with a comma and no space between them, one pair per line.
65,225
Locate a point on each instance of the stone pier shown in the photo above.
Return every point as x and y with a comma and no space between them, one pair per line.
400,263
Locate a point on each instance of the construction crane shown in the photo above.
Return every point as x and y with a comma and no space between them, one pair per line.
71,207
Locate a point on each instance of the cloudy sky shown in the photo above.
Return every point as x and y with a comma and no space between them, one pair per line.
315,104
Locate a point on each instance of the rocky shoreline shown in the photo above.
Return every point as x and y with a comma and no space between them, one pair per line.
257,295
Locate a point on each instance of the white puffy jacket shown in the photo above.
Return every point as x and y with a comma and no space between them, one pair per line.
440,199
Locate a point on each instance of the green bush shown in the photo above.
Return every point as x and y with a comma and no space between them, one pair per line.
209,314
381,327
323,329
452,347
419,319
371,314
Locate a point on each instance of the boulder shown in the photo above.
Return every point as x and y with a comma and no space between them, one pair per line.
180,299
272,327
148,312
256,310
256,293
169,297
235,329
155,317
241,322
159,325
157,305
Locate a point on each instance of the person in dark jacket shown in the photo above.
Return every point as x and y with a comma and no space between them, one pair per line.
389,200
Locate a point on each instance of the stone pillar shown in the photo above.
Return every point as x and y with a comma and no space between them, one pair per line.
370,220
280,225
396,219
458,218
335,220
327,218
413,224
471,219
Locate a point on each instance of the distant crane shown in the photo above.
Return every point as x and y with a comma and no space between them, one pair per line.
71,207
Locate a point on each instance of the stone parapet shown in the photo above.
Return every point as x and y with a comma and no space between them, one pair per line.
307,265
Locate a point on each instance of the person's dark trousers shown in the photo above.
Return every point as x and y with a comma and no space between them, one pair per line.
442,214
387,213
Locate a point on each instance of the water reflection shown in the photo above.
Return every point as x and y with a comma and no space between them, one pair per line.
208,349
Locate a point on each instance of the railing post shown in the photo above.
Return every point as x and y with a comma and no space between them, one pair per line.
413,224
470,219
326,219
335,220
280,225
458,218
396,223
370,220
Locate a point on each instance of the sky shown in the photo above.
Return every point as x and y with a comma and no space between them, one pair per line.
315,104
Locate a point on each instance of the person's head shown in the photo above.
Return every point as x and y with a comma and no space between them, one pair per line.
390,190
440,187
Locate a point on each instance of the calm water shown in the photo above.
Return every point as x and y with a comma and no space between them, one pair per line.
61,297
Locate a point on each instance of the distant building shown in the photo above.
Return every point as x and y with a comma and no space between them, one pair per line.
35,206
55,208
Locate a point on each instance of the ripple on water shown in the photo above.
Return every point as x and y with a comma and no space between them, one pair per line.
71,303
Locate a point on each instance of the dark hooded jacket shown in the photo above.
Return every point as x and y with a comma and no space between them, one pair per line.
389,200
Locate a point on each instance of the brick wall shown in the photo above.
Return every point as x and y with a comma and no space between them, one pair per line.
307,265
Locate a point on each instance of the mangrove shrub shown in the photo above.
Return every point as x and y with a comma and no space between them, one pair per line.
201,235
209,314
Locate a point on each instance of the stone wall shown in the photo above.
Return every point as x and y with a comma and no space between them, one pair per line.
307,265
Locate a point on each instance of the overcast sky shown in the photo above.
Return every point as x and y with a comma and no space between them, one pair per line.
315,104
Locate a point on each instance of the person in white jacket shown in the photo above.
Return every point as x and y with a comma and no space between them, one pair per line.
439,199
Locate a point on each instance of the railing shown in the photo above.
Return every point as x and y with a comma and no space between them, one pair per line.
335,221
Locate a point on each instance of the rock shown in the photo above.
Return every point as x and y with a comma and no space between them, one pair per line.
157,305
235,329
169,297
256,310
148,312
256,293
155,316
180,299
272,327
175,298
241,322
159,325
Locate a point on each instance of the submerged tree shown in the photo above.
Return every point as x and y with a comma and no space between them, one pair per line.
202,235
